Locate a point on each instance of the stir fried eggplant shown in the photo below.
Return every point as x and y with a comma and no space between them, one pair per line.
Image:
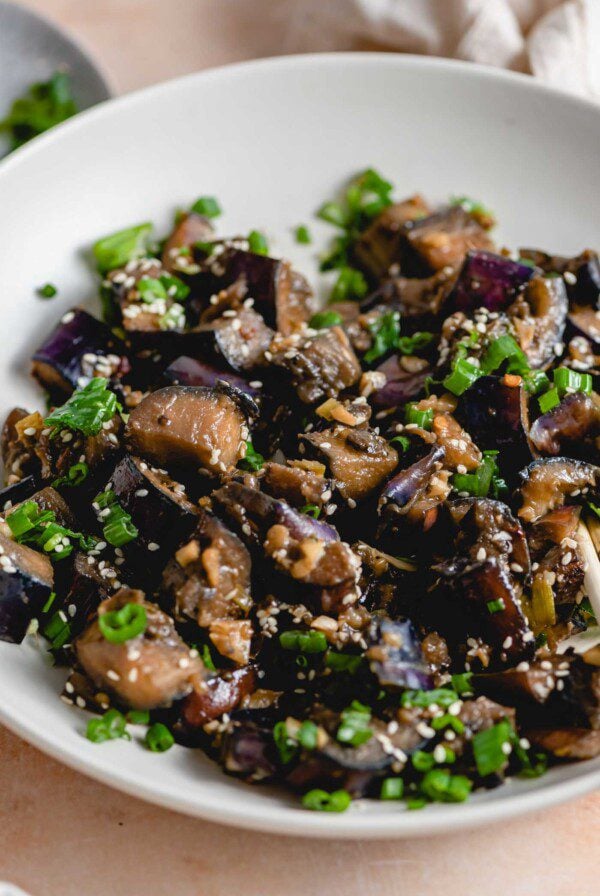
343,550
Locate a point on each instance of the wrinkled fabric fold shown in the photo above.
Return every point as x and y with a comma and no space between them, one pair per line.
554,40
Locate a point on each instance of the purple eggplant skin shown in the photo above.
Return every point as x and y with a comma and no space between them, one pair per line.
506,631
247,506
585,289
60,364
186,371
401,386
403,487
489,281
248,751
162,516
18,492
396,657
496,417
571,428
26,582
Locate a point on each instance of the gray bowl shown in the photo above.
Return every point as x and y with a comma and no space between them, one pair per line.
31,49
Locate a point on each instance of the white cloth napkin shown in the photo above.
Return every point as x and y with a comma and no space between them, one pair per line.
558,41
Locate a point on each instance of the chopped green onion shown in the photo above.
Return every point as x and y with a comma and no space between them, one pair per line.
440,786
343,662
349,285
116,249
536,381
252,460
44,105
472,206
118,528
47,291
303,234
87,409
486,478
422,761
566,380
495,606
30,525
489,748
307,735
207,206
303,642
385,330
322,801
403,441
461,682
49,602
76,474
57,630
502,349
118,626
333,213
158,738
463,376
138,717
257,243
392,789
441,696
311,510
448,721
549,400
286,745
423,419
417,802
110,726
323,319
207,658
408,345
354,726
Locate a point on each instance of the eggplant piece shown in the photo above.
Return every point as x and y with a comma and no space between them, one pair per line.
413,495
162,514
208,579
401,385
26,581
192,426
89,586
539,316
320,367
551,482
584,286
296,485
280,294
488,281
552,529
396,657
460,450
254,513
358,459
419,300
18,492
381,245
566,743
584,322
22,453
571,428
237,340
80,347
49,499
494,412
152,669
216,695
483,523
310,560
190,228
443,239
248,751
186,371
506,630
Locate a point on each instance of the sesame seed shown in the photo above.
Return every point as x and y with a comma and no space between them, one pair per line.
153,546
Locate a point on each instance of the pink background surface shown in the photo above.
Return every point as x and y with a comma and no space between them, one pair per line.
64,834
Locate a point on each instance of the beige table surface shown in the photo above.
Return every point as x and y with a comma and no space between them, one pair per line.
64,835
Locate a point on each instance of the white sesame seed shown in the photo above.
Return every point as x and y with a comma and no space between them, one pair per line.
153,546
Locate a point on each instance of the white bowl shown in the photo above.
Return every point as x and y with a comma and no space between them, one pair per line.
272,140
31,49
